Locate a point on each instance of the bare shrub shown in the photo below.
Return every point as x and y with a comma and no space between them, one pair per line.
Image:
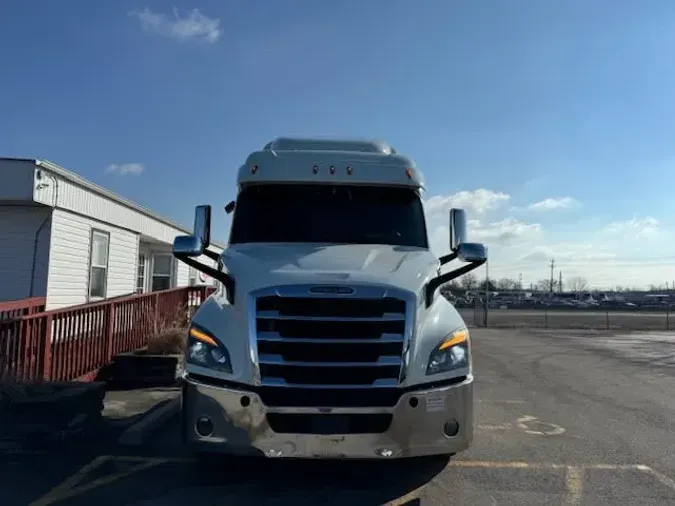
168,342
169,331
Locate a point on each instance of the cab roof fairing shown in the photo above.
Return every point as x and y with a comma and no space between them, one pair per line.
318,144
314,166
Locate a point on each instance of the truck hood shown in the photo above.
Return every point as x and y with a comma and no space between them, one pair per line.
261,265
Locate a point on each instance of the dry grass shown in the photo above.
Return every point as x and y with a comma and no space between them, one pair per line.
169,332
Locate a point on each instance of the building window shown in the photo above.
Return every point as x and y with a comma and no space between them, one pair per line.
140,274
162,272
98,264
192,279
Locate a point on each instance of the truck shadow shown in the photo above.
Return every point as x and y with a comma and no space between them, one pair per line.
318,481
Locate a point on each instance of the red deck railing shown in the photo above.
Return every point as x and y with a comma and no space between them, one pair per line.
15,308
75,342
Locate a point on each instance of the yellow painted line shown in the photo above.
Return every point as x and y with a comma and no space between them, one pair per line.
499,464
574,481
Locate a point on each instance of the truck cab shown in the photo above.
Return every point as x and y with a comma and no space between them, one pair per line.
327,336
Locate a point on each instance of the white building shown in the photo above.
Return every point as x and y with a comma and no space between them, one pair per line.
72,241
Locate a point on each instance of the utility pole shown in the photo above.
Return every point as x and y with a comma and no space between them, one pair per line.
552,266
487,293
559,281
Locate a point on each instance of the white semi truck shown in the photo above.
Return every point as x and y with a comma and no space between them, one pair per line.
327,336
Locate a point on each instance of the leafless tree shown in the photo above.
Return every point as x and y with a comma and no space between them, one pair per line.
468,281
506,284
544,285
451,287
577,284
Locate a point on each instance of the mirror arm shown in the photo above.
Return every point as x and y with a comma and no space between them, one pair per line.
211,254
219,275
448,276
447,258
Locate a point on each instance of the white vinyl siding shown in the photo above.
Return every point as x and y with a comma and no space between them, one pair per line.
182,273
84,201
69,261
68,208
20,228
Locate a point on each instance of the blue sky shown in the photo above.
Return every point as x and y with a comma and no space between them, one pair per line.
502,104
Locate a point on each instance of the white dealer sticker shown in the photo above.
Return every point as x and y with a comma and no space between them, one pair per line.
435,403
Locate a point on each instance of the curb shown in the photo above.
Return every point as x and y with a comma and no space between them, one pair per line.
141,430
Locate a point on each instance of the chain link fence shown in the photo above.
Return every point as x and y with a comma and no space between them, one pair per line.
481,316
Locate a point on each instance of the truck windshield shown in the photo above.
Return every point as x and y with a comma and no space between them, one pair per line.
329,214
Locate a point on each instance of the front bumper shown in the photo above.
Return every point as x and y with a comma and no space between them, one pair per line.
236,421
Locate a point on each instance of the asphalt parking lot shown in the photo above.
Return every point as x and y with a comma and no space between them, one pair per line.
563,417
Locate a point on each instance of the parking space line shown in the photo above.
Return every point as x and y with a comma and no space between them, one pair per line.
574,476
55,494
574,485
498,464
408,498
499,426
69,488
500,401
665,480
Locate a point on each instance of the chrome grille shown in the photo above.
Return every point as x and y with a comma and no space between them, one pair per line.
324,341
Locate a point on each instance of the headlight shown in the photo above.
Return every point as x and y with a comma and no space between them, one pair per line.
206,351
452,353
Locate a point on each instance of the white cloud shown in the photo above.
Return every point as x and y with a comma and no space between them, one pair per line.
125,168
636,228
505,231
607,256
566,251
551,204
194,26
500,233
478,201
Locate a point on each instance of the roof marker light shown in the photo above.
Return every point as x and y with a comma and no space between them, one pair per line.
315,169
332,170
254,169
408,173
349,170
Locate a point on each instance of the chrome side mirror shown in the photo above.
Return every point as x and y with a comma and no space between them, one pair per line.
195,244
465,251
457,228
472,252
